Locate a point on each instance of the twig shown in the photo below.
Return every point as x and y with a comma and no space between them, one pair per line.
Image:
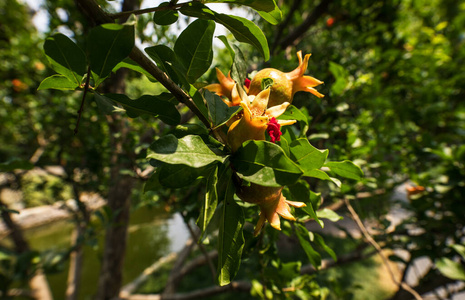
370,239
86,87
173,279
195,236
125,14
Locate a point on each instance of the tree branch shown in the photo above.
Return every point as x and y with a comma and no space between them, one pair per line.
370,239
126,14
284,24
98,16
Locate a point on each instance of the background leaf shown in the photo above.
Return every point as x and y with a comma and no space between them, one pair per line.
450,268
304,239
267,9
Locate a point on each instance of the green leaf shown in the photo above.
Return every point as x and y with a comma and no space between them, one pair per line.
108,45
239,65
306,156
243,30
193,48
66,57
148,104
341,76
219,111
210,201
165,17
300,191
304,238
450,268
345,169
323,176
267,9
105,105
329,214
178,176
189,150
198,100
58,82
293,113
460,249
132,65
320,241
230,238
265,163
15,164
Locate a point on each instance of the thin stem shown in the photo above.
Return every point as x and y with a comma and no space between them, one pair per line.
125,14
86,87
378,248
195,237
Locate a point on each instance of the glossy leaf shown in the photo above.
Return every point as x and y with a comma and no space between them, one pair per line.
148,104
66,57
219,111
165,17
239,65
132,65
301,192
189,150
345,169
304,240
329,214
293,113
243,30
307,156
267,9
230,238
193,48
323,176
450,268
265,163
320,241
58,82
109,44
210,200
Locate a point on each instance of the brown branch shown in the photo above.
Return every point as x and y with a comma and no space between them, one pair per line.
86,88
378,248
98,16
173,279
126,14
131,287
306,24
197,262
195,236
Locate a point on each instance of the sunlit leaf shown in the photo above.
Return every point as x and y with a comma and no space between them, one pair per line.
450,268
210,200
189,150
265,163
243,30
132,65
267,9
307,156
230,238
193,48
329,214
345,169
58,82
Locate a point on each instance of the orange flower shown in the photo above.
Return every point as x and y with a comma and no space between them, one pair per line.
255,119
285,85
224,88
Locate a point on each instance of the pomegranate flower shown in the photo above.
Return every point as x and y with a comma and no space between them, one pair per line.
225,87
256,118
285,85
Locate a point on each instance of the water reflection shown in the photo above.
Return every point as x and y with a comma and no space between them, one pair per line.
151,236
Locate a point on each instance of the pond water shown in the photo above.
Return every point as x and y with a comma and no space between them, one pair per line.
151,235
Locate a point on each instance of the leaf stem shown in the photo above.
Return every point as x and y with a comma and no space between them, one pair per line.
145,10
86,87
